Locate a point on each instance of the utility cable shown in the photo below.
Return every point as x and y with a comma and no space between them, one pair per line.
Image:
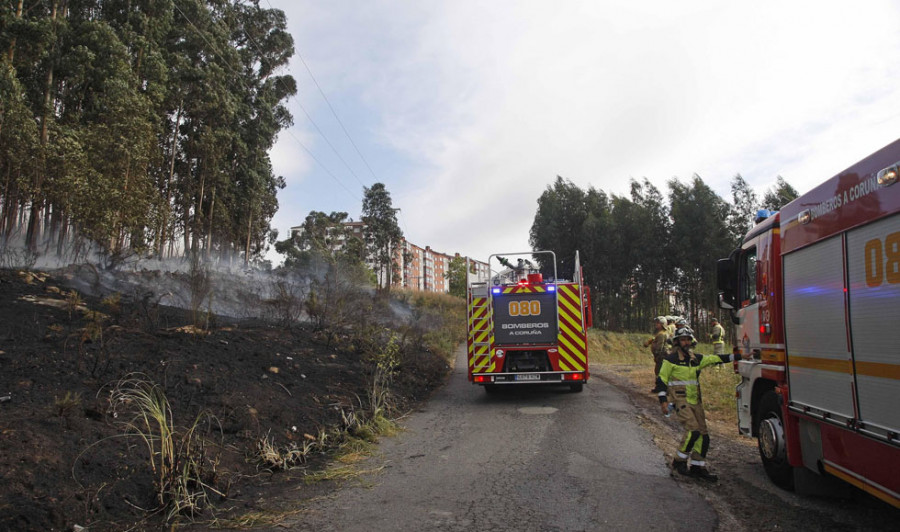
305,112
237,76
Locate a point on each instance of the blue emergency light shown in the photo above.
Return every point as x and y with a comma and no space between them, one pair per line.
495,290
762,214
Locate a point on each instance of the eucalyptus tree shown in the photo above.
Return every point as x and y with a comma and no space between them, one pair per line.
18,149
699,237
141,121
779,195
650,277
744,203
382,232
595,248
558,224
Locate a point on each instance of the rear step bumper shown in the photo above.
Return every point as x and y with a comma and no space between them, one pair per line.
537,377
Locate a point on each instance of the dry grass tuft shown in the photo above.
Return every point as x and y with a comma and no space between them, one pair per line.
67,405
272,456
177,456
340,473
253,520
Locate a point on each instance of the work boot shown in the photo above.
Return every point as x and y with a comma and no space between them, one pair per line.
680,466
703,474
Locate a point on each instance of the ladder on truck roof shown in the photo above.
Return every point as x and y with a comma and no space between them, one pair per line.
481,328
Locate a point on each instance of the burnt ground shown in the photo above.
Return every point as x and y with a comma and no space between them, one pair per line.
66,460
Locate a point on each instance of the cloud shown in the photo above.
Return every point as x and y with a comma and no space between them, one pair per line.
486,102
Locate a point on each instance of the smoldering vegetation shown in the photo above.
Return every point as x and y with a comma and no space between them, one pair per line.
284,369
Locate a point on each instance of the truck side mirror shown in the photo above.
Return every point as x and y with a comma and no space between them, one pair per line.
723,304
735,319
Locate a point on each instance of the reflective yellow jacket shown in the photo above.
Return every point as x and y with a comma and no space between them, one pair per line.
680,371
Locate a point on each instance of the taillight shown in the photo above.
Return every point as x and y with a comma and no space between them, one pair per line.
573,377
481,379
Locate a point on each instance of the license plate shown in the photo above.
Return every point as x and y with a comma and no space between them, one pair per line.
528,377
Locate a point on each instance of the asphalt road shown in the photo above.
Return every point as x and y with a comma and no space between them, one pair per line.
535,459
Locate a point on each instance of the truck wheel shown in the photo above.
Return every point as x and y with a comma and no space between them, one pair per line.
770,438
575,388
491,389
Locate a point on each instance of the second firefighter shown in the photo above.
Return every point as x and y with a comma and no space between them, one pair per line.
679,383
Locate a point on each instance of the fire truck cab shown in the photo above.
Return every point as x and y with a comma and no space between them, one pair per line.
813,291
525,329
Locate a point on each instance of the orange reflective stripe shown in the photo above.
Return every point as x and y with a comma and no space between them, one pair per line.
822,364
878,369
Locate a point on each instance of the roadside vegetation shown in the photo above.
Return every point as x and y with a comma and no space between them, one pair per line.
623,354
122,412
650,252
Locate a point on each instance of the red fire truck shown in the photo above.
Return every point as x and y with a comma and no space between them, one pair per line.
523,329
813,291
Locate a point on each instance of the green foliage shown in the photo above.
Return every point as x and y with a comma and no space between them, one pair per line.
436,322
644,254
456,275
779,195
322,237
382,232
133,124
744,207
559,224
698,239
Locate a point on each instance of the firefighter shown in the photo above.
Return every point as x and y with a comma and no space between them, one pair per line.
679,383
718,337
670,327
680,322
658,349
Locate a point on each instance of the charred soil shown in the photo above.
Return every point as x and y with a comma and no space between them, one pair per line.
66,457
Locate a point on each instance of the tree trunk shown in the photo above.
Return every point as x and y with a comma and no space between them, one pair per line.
249,232
186,222
53,223
198,214
164,225
31,235
10,54
209,233
63,233
119,227
5,219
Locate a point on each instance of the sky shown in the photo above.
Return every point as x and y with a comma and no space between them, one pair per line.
468,110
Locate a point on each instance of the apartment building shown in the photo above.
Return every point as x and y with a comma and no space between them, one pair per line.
419,268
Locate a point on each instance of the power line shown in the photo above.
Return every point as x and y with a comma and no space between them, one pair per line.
240,80
333,112
308,117
336,117
343,128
